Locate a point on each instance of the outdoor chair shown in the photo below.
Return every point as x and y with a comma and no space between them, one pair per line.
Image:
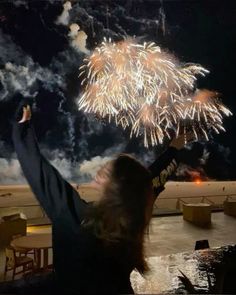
14,262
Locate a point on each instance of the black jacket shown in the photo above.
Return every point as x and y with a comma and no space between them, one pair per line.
82,266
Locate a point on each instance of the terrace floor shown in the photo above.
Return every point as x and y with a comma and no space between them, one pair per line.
171,234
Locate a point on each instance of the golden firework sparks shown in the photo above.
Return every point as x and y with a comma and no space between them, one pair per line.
144,88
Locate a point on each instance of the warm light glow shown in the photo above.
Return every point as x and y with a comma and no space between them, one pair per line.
198,181
144,88
39,229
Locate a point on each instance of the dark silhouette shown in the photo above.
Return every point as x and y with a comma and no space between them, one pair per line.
95,246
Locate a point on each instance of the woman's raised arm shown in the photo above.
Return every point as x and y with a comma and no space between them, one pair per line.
166,164
56,196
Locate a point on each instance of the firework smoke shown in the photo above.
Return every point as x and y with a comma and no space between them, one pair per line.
148,90
63,19
78,38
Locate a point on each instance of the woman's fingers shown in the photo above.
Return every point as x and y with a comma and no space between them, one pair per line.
23,116
26,114
180,141
189,137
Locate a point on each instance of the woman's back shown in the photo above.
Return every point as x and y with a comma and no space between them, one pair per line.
85,265
82,262
94,250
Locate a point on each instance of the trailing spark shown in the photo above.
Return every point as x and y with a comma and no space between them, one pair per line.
148,91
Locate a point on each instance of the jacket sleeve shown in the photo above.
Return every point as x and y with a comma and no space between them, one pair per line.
54,194
162,168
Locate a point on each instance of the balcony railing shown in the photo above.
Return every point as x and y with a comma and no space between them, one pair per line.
167,205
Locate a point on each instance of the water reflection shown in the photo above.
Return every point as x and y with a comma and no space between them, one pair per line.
208,270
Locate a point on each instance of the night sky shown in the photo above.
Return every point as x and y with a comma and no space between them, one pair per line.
38,63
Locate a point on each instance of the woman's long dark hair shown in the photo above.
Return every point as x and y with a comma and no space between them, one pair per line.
120,216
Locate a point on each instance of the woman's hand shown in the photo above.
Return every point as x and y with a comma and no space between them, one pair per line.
26,114
180,141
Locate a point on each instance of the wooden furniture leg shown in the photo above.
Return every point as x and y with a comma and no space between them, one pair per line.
38,258
45,259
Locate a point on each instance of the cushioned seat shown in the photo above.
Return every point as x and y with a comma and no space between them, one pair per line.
230,207
199,213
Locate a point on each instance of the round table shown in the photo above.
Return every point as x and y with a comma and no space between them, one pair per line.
38,242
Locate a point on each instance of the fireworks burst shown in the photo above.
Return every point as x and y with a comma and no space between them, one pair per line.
148,90
204,112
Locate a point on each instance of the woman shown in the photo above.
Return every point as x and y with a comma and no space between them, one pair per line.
95,247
